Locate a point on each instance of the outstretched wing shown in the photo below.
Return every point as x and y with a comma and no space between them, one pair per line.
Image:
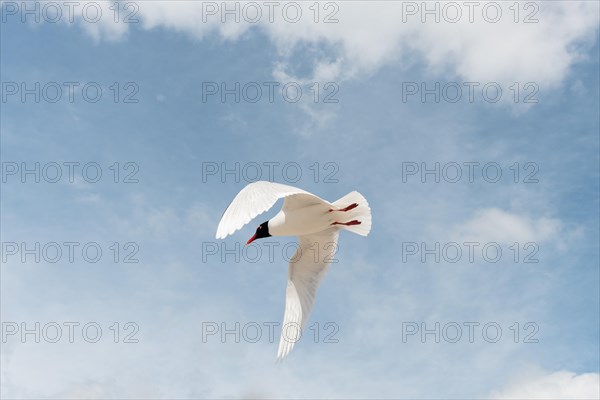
251,201
306,271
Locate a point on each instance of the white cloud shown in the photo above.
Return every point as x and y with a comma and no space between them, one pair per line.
370,36
556,385
90,198
496,225
159,222
199,217
96,17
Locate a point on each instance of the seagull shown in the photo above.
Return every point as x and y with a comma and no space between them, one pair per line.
316,222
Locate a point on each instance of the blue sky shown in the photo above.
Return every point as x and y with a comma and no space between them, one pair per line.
370,135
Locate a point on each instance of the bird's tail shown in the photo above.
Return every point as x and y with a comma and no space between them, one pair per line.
359,210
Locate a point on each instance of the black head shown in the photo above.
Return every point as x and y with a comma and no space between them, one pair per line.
261,232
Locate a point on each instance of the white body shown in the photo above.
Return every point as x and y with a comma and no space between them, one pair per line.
302,221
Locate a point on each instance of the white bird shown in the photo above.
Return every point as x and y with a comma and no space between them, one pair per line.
316,222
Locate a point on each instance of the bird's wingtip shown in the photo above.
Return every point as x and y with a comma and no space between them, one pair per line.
280,358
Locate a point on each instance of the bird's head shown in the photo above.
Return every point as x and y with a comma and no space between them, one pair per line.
261,232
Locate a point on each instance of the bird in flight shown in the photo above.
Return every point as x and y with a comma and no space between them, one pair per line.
316,222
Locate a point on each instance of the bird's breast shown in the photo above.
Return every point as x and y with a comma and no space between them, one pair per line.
301,221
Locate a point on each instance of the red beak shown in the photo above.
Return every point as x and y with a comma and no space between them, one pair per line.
252,239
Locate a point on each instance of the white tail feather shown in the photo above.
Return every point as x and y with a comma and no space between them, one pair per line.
361,213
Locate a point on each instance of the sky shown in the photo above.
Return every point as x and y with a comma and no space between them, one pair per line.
471,128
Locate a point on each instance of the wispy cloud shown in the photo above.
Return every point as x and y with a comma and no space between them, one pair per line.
539,384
